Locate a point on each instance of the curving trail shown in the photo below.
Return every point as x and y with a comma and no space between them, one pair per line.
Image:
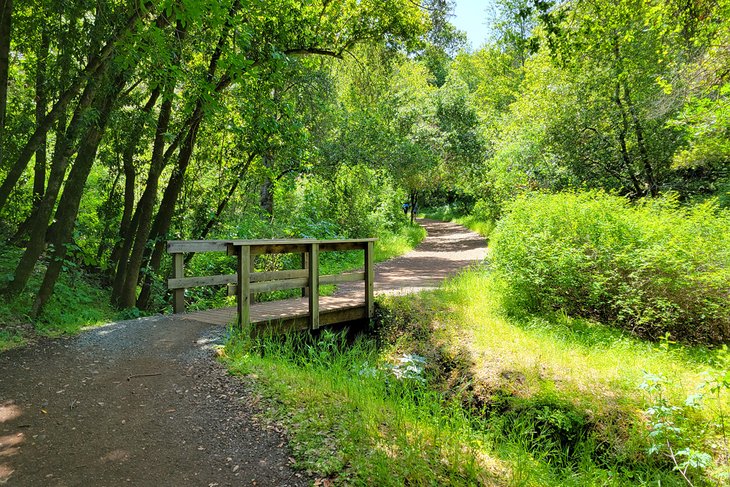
145,403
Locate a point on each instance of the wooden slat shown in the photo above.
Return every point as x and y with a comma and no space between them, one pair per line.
305,268
341,246
278,275
280,285
299,323
187,282
314,286
178,271
177,246
340,278
278,249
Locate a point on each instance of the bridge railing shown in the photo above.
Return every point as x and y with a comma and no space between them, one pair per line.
246,281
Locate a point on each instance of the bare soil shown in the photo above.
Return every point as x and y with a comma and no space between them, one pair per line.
145,403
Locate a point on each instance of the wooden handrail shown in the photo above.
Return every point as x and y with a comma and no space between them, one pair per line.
245,281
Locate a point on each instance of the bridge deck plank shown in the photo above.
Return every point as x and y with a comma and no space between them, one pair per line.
284,310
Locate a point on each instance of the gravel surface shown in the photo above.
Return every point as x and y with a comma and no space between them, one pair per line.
145,403
139,402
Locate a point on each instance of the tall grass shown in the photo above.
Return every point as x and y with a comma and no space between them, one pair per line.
350,414
493,399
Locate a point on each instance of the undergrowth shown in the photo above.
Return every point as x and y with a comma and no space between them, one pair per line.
651,268
78,301
450,389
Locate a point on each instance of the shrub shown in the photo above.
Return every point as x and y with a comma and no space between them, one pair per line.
651,268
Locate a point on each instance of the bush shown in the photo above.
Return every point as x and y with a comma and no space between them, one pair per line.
651,268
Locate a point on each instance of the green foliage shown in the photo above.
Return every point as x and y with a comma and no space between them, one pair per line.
649,268
78,302
458,392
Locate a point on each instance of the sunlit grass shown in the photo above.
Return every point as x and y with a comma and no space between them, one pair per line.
349,420
77,302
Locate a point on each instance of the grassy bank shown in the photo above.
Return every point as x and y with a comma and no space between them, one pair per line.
78,301
452,390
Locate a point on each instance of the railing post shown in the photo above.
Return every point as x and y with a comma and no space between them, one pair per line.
243,288
305,265
369,280
178,272
314,285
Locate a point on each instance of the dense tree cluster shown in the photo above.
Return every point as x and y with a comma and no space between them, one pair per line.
624,96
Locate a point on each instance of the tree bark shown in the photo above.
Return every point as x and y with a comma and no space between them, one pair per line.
266,192
63,151
5,31
68,206
623,130
133,248
130,173
41,100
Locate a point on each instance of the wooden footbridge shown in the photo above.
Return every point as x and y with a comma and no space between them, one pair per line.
310,311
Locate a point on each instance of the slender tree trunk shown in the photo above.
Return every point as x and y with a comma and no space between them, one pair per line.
266,192
6,12
41,100
414,201
623,130
145,209
130,173
68,206
107,231
63,151
93,71
641,143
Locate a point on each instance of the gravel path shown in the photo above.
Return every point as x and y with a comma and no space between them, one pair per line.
145,403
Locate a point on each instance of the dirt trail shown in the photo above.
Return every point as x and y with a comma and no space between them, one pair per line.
144,402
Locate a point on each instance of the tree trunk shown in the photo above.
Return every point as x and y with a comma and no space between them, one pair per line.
266,192
623,130
5,30
73,190
643,153
41,100
129,172
414,201
145,210
106,233
63,151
